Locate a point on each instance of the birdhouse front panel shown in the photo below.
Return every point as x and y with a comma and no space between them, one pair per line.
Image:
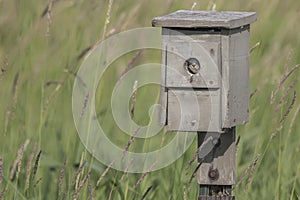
192,63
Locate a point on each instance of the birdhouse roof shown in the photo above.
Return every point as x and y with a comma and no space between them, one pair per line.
205,19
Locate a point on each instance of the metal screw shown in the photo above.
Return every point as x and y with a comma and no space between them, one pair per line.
213,174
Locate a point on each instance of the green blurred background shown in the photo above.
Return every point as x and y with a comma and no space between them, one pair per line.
39,53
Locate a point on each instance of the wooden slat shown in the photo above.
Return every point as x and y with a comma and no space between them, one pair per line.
196,19
190,110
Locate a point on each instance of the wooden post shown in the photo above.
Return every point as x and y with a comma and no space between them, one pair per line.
217,172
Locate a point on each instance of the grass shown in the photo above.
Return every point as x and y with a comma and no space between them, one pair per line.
39,55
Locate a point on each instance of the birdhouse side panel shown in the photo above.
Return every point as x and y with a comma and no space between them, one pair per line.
163,100
235,78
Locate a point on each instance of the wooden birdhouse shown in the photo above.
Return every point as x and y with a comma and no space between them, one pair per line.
205,69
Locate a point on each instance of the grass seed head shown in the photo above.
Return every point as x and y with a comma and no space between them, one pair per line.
4,67
61,177
18,161
194,6
78,172
144,175
133,101
36,164
1,170
104,174
130,141
90,189
80,186
29,165
287,112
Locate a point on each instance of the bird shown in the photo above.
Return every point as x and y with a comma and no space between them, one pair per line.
192,65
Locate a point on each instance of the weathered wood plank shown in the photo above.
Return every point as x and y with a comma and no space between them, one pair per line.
235,78
195,19
190,110
163,90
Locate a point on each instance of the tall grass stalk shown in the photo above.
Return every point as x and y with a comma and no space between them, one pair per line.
29,166
1,171
15,171
102,59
